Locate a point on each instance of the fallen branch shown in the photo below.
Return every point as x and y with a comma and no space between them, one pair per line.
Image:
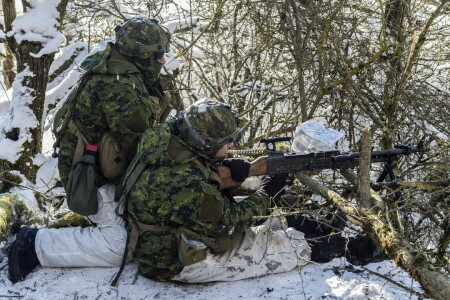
392,242
424,185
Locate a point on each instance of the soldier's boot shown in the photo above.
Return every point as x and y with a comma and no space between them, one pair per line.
22,258
360,250
313,229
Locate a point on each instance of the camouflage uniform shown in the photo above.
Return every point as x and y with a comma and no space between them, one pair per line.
114,99
122,94
178,189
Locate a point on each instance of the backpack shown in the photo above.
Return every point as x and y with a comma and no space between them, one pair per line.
90,160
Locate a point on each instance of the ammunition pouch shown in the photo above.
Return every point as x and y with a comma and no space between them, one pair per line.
193,247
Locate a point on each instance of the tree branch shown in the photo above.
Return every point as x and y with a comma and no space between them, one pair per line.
395,245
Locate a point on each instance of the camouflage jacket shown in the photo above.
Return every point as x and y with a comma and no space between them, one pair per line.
114,99
176,189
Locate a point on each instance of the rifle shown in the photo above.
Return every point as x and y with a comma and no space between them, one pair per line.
280,164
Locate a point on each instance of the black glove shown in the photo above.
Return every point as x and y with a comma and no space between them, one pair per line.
239,168
273,186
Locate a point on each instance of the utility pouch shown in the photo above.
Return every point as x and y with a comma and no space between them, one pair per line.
223,244
111,157
190,249
81,187
192,246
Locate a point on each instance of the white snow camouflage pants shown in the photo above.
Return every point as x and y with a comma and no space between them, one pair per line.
99,246
265,249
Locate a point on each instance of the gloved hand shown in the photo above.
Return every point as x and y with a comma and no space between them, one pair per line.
239,168
272,186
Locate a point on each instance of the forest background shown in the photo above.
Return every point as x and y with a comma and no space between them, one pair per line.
377,71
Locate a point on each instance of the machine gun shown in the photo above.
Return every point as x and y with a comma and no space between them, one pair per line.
277,163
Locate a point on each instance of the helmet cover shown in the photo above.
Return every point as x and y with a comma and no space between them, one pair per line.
209,124
141,37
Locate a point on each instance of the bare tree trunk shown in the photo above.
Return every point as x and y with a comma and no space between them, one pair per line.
9,14
38,83
7,68
396,13
40,67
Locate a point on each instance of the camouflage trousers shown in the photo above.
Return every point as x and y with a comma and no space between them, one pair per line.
266,249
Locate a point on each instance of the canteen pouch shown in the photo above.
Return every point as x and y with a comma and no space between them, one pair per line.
81,187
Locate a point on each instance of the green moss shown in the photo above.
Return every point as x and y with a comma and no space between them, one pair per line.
70,219
5,215
8,180
24,215
419,258
13,214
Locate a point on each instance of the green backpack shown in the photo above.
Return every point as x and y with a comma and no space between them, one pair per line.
90,161
81,189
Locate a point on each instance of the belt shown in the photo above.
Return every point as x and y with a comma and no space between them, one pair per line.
138,227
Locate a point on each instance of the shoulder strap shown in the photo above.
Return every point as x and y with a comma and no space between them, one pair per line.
66,118
134,170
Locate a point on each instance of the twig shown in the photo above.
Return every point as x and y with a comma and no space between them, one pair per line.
25,187
6,92
136,276
184,51
425,185
117,9
421,295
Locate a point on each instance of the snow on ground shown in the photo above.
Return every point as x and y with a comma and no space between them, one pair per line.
333,280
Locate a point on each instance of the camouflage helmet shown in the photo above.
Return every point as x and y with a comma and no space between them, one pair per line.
141,37
209,125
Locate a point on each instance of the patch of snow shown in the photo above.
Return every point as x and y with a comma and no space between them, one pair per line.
26,193
47,175
333,280
39,24
39,159
19,117
181,24
4,100
65,53
171,64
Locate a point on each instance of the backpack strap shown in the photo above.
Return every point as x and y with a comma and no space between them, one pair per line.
134,171
66,119
81,140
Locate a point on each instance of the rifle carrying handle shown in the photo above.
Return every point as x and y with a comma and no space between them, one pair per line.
258,167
